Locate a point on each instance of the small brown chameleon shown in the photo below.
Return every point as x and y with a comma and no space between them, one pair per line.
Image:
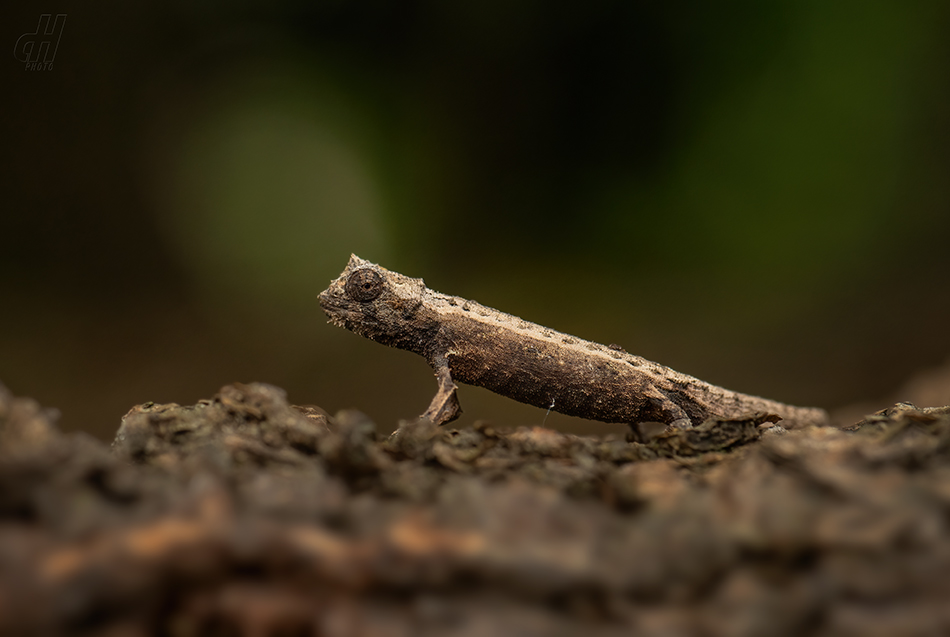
470,343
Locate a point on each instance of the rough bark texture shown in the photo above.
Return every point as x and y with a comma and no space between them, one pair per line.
244,515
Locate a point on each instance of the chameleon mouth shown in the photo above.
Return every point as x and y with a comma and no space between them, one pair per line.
340,315
325,299
335,313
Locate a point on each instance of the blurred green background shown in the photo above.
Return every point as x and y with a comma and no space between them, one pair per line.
754,192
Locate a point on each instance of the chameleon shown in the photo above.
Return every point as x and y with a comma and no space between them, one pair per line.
470,343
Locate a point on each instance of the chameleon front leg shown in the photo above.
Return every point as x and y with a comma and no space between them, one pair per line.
445,406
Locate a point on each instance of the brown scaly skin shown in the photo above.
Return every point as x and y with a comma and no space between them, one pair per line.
470,343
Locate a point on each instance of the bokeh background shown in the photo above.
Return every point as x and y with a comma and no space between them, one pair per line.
754,192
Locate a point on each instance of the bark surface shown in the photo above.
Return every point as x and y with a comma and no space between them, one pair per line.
245,515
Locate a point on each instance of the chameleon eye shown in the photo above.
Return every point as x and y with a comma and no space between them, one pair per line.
364,285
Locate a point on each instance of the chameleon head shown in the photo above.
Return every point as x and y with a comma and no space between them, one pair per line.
373,302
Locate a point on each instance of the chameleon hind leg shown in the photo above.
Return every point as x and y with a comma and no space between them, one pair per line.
661,408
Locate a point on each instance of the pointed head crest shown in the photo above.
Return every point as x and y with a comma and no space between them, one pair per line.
373,302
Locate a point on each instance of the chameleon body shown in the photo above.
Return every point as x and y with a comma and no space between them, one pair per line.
467,342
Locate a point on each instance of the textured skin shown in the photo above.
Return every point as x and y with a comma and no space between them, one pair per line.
470,343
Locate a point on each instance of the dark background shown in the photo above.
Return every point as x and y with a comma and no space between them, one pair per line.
754,192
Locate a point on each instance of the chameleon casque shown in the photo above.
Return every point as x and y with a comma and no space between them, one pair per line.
467,342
